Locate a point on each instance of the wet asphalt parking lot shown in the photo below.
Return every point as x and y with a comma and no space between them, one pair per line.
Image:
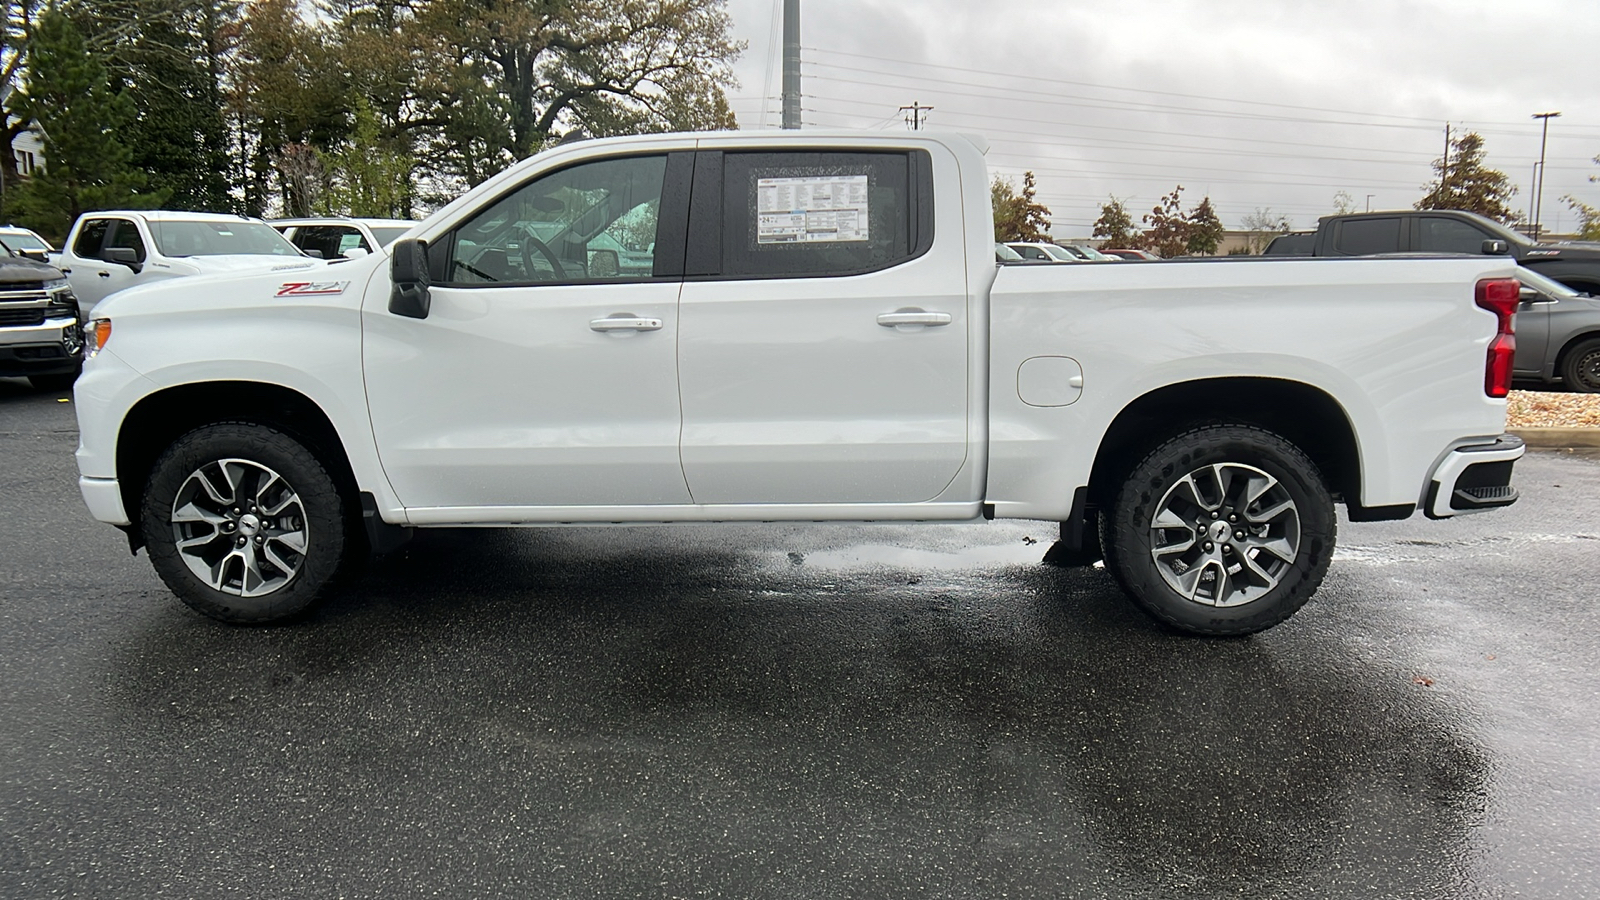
797,712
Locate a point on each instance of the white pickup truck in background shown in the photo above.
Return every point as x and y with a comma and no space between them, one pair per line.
790,326
113,250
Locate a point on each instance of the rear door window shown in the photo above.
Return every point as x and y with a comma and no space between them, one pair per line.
816,214
1360,237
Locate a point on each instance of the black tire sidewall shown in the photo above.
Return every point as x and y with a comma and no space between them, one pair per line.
1573,364
1128,528
324,509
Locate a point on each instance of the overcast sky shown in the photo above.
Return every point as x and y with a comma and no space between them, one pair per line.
1256,103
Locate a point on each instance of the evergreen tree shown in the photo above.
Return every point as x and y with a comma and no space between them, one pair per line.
172,68
366,179
1465,183
84,120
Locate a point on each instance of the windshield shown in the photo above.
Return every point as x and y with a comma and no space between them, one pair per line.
1006,254
1543,285
386,234
23,241
1059,252
180,238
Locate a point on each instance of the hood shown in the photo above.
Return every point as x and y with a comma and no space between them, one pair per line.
1586,250
240,264
250,282
17,270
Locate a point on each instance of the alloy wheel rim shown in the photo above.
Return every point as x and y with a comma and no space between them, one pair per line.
240,527
1225,534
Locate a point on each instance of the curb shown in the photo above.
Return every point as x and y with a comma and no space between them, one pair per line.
1559,438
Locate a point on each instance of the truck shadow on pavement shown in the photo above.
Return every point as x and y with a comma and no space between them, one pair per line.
704,708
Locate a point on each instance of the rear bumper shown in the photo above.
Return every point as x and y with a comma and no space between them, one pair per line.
1474,478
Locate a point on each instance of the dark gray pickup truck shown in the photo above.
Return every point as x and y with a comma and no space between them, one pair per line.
41,333
1573,263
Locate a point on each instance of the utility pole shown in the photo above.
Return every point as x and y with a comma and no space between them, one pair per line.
1538,197
791,63
915,119
1369,201
1444,167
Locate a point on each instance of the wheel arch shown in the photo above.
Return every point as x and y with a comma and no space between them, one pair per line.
162,417
1302,414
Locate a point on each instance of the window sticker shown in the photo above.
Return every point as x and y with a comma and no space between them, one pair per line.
811,209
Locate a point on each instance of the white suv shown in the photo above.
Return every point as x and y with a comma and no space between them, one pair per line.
108,251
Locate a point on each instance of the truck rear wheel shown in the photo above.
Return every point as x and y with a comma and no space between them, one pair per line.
243,523
1223,530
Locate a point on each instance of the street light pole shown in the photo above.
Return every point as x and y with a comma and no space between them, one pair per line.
1369,201
1538,197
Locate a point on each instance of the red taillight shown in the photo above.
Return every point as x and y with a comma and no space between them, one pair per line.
1500,296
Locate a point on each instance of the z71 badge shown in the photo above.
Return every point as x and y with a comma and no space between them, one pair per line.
311,288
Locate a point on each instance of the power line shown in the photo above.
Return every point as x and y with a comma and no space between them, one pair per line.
1035,76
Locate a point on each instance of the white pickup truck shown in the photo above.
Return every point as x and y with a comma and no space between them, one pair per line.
113,250
819,331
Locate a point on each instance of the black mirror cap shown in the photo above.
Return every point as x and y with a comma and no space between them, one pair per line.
1496,247
408,275
125,255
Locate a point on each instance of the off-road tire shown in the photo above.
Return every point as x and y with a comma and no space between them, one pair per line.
1126,528
329,530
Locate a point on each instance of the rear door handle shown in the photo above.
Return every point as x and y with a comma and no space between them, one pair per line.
625,322
914,317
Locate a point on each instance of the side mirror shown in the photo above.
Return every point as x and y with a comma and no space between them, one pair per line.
35,255
604,264
314,254
126,256
1496,248
1529,295
355,253
408,275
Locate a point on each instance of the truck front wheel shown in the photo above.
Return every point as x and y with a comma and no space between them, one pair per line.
1223,530
243,523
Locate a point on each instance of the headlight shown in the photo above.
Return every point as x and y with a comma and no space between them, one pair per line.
95,337
55,284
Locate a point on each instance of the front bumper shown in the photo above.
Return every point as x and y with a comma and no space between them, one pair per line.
103,496
1474,478
55,347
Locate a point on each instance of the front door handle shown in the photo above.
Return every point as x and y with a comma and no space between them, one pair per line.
104,274
914,317
625,322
